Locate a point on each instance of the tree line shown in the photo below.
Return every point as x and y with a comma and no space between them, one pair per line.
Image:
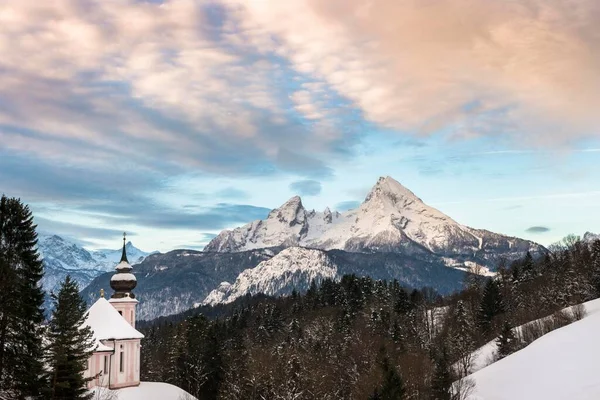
358,338
38,359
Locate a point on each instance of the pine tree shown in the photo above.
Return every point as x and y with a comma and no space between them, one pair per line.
506,342
461,338
527,271
441,383
392,387
69,345
21,301
491,305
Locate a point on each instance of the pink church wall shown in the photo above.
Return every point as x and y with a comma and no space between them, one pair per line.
114,378
126,308
131,368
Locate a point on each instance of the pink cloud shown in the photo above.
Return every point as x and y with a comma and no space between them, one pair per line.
414,65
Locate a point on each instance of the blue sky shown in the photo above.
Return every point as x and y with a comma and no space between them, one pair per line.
174,120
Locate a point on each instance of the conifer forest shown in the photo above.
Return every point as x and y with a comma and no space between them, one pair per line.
365,339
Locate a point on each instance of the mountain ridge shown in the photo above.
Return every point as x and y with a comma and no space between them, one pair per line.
391,219
62,257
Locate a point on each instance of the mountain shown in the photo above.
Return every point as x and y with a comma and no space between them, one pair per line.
391,219
173,282
108,258
181,279
62,257
293,268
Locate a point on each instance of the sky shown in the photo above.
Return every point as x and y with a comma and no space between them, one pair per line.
172,120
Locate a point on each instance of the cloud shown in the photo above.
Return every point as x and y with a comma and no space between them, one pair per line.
148,213
537,229
306,187
526,69
76,232
347,205
99,198
83,84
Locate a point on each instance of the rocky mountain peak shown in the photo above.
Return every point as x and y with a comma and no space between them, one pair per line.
388,189
291,213
327,216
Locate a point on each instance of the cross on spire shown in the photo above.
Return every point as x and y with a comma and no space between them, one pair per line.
124,255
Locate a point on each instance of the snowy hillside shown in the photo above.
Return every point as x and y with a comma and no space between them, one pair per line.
559,365
62,257
145,391
293,268
391,219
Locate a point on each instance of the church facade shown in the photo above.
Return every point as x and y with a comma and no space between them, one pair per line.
115,362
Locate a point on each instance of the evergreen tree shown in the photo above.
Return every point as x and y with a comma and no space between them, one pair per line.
506,342
21,303
441,383
392,387
69,345
461,338
491,305
527,271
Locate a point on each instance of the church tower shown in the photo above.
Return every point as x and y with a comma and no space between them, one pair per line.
123,282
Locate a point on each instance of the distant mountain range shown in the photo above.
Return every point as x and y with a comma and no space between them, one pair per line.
178,280
62,257
391,235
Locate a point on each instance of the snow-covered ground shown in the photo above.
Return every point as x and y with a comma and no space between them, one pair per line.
146,391
560,365
486,354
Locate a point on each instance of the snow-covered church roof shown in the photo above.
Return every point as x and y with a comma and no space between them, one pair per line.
107,324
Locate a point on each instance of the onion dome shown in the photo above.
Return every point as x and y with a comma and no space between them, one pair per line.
123,281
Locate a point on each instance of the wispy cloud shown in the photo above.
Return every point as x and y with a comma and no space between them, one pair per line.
537,229
527,69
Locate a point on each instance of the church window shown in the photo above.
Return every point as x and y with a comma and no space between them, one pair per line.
121,361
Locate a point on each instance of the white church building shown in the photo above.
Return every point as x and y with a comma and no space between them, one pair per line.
115,362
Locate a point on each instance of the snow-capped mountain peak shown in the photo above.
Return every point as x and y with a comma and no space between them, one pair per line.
390,189
391,219
292,212
62,256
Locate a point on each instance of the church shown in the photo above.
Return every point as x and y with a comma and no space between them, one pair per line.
115,362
